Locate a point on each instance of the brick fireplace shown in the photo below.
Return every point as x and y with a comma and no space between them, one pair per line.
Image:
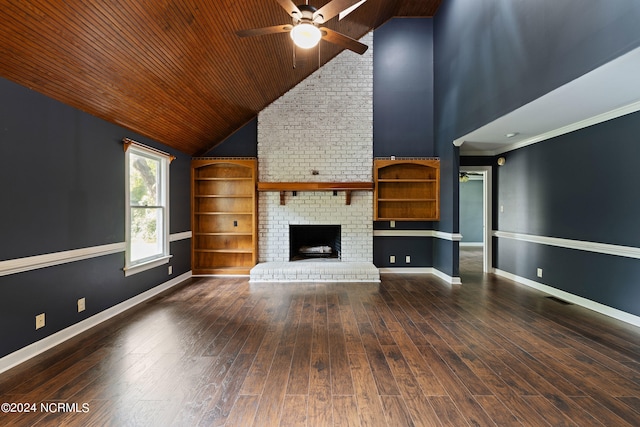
316,208
320,131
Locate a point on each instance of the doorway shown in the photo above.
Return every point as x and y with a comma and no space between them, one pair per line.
483,173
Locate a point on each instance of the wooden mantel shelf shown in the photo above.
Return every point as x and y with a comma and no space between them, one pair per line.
347,187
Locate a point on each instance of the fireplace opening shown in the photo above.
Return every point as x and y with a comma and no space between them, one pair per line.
314,242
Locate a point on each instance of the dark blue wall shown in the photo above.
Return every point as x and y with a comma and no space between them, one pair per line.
403,88
492,57
418,248
243,143
579,186
403,120
62,188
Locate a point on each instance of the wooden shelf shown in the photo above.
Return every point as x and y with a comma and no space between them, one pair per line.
406,200
222,234
406,180
347,187
225,251
223,270
407,190
225,196
223,213
223,179
314,186
224,216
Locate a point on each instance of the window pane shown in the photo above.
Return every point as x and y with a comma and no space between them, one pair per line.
146,233
143,181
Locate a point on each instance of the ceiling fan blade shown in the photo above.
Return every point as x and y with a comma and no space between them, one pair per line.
289,6
265,30
333,8
343,41
348,10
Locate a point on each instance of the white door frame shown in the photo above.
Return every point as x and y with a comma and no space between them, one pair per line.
487,250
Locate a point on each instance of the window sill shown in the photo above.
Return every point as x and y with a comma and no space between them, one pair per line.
139,268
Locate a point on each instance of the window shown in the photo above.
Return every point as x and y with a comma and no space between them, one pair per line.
147,202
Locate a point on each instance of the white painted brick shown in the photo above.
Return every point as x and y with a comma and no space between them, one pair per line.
326,124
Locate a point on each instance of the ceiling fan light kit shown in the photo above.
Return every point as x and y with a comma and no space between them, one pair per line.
305,35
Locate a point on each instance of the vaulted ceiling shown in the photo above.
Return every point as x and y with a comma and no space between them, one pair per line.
171,70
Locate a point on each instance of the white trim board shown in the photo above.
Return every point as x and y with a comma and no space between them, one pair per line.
32,350
602,248
20,265
575,299
454,237
422,270
180,236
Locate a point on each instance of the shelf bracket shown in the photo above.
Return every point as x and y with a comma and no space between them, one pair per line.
282,198
348,197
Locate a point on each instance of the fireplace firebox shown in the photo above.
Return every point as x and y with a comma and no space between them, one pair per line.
314,242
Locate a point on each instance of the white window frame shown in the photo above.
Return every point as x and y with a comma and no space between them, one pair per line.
138,266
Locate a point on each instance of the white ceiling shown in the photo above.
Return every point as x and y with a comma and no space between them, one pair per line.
609,91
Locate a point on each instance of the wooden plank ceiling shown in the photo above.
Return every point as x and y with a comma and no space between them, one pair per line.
171,70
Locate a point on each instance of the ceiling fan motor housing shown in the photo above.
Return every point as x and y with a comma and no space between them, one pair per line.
308,13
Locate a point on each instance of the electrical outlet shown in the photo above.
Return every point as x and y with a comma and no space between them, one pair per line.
170,269
392,224
501,208
40,321
539,272
392,259
81,305
407,259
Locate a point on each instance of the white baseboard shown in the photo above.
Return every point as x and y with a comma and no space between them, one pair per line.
422,270
32,350
471,244
449,279
575,299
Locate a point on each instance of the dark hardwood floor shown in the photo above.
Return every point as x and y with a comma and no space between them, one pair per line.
409,351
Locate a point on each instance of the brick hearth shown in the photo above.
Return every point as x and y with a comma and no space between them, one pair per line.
315,271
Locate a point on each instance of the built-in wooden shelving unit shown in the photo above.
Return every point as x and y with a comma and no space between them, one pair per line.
224,215
406,189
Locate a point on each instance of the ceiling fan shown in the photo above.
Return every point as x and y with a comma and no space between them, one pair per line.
306,30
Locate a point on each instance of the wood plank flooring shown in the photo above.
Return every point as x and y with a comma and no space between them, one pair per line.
408,351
